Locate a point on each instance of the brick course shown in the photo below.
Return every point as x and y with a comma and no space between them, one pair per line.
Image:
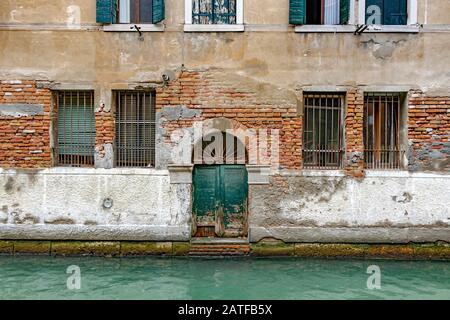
25,141
354,140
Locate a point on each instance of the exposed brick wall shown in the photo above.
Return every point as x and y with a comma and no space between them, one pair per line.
354,140
429,132
25,140
200,91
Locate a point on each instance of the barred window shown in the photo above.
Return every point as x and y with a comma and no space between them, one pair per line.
75,128
214,11
135,129
322,131
381,130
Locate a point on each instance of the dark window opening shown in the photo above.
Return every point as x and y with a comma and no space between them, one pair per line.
314,12
135,129
382,131
322,12
322,131
386,12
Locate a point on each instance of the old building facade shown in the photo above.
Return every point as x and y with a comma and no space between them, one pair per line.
334,118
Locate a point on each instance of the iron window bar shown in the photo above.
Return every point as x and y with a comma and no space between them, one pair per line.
322,131
135,129
75,128
381,131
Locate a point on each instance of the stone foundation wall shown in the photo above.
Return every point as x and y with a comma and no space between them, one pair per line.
411,251
93,204
384,207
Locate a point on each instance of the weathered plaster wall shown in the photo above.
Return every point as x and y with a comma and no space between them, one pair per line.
434,11
47,11
383,207
67,203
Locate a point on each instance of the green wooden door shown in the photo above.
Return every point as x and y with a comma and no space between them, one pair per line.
220,198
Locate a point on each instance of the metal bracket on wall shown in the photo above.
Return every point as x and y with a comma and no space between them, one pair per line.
138,29
360,28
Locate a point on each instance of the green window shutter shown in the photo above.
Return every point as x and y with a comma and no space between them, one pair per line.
395,12
106,11
297,11
344,13
158,11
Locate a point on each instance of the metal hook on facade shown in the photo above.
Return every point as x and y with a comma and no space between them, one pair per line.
138,29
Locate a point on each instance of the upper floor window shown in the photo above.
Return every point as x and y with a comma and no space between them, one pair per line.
320,12
135,11
393,13
214,11
386,12
130,11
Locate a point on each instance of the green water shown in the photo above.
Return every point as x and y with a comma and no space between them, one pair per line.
183,278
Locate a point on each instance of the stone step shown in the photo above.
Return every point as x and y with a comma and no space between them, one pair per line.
219,247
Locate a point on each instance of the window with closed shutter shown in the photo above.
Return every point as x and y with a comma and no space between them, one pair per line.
387,12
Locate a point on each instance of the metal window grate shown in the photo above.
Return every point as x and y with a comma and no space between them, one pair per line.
322,131
75,129
214,11
381,131
135,129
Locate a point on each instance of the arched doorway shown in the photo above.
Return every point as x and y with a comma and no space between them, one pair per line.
220,187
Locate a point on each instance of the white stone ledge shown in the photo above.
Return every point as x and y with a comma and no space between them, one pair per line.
130,27
350,235
98,233
87,171
313,173
214,28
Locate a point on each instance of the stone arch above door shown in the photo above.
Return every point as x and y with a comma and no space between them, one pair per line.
228,130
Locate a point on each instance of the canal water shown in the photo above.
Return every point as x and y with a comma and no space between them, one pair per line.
249,278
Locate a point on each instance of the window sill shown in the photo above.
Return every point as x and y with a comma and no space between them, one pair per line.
125,27
351,28
394,29
214,28
325,28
